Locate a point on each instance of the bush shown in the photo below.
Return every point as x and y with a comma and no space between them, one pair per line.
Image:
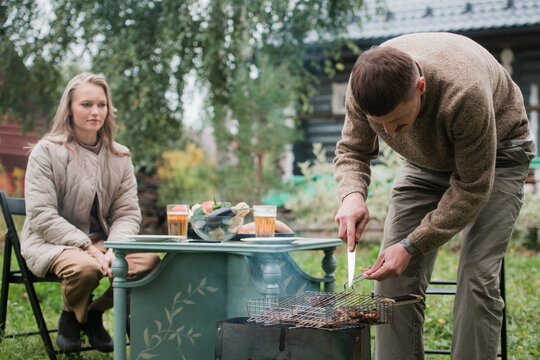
383,172
316,202
186,176
528,222
12,183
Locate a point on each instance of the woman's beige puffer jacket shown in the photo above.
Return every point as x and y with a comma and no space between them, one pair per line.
60,186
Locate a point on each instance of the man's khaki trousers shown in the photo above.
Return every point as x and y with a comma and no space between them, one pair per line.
80,274
477,316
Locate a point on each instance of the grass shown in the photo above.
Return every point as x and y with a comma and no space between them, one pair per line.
20,319
522,296
522,286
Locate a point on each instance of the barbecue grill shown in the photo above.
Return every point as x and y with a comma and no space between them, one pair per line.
308,325
238,339
325,310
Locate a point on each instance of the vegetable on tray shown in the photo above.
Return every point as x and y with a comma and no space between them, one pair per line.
218,220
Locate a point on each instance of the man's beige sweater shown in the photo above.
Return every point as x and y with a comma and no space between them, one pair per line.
470,105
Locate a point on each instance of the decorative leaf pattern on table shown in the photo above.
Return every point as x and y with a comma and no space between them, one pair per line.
165,333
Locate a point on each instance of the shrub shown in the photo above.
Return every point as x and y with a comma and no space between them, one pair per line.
12,184
528,222
187,176
383,172
316,202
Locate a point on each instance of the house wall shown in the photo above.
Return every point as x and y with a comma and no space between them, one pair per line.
13,156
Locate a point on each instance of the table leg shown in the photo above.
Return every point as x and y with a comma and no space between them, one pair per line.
271,274
119,270
329,264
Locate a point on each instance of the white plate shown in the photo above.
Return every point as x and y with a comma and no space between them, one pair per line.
156,238
270,240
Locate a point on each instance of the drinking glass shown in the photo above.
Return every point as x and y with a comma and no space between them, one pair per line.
177,219
265,220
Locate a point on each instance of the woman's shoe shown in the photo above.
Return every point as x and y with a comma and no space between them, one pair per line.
69,333
97,335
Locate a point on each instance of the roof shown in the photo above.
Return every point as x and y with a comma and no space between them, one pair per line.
403,17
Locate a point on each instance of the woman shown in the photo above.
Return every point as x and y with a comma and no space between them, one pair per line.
80,191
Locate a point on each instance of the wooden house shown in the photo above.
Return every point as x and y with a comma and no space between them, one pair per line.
509,29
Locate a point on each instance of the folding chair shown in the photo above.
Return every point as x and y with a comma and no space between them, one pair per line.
452,291
16,206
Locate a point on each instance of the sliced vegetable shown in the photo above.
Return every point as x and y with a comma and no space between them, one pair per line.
224,211
208,205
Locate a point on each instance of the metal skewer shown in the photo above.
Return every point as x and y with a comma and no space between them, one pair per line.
355,280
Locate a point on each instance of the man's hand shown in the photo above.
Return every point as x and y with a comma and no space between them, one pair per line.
352,218
100,257
390,263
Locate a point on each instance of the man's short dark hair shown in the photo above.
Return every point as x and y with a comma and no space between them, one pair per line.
381,78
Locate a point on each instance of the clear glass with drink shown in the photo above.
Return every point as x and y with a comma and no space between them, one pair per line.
265,220
177,219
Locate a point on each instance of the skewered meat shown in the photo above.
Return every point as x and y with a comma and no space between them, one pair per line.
321,301
325,300
353,314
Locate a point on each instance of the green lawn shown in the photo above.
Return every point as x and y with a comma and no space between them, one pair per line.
523,292
522,295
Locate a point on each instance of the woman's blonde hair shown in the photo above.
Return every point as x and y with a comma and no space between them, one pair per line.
62,122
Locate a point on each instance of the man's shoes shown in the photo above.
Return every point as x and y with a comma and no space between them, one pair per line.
97,335
69,333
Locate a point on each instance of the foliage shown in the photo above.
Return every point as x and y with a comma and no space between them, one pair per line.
27,91
259,128
186,176
316,202
522,291
12,183
270,39
319,204
528,222
383,172
145,49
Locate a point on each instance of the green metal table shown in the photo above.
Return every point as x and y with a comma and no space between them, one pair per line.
174,310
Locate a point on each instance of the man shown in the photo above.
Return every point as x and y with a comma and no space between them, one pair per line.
454,114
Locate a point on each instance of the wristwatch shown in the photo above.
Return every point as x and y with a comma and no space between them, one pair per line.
410,247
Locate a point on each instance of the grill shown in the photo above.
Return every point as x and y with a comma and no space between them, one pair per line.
238,339
330,311
308,325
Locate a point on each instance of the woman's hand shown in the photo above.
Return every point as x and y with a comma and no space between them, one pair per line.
100,257
109,256
352,218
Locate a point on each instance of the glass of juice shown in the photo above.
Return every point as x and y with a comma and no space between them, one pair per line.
265,220
177,219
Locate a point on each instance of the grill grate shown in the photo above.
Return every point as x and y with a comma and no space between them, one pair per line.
321,310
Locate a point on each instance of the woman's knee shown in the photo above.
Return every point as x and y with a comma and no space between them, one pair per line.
87,271
141,265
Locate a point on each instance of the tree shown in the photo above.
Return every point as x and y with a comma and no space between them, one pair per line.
27,71
258,127
271,39
145,49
